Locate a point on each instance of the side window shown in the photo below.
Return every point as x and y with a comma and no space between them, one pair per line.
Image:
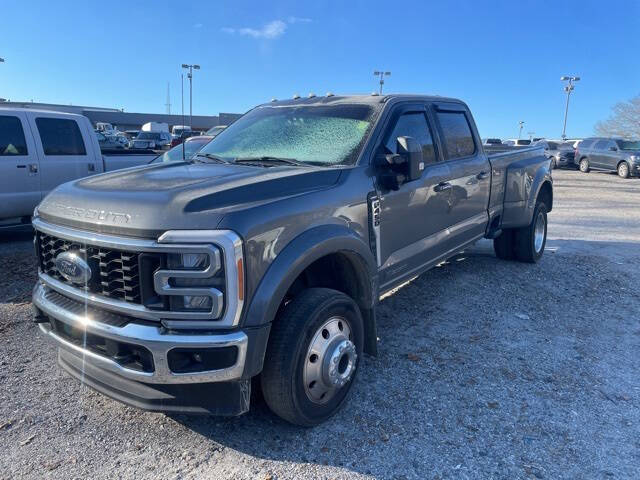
585,144
12,140
413,125
458,139
60,136
601,145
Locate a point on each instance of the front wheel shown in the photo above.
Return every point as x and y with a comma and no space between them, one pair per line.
623,170
312,357
584,165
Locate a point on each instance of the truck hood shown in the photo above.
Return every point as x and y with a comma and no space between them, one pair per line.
146,201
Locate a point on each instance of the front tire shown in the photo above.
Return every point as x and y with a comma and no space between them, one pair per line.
584,165
623,170
314,351
531,240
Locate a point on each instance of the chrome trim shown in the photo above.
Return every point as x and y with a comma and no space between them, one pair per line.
172,241
148,336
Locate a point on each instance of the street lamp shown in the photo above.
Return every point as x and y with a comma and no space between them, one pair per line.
381,74
1,60
521,123
567,88
191,68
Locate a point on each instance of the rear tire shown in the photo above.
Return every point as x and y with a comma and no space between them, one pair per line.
531,240
623,170
584,165
504,245
317,339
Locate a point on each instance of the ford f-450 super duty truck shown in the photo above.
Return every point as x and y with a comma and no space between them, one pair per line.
170,287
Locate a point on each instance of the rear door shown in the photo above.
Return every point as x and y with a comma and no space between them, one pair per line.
19,167
597,154
470,173
414,218
610,155
64,156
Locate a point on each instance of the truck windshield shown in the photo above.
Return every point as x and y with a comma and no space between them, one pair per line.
318,135
628,144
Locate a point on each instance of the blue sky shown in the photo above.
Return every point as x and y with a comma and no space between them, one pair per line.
504,58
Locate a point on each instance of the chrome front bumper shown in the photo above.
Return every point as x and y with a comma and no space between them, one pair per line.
148,336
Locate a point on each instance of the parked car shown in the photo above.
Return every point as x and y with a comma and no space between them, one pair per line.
178,130
152,140
609,154
517,142
267,253
107,142
215,131
131,134
41,149
492,141
155,127
191,146
561,154
183,136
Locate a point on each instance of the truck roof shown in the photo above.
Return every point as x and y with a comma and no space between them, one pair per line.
39,110
372,99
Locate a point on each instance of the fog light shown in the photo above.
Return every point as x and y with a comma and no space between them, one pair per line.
197,302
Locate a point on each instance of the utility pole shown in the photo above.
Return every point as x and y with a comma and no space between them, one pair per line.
381,74
168,104
567,88
191,68
521,123
182,97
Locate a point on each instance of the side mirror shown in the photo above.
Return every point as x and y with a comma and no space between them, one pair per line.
411,151
613,149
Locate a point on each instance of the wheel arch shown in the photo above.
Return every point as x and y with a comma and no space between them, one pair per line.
303,260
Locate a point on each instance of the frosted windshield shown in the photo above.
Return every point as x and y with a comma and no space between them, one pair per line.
309,134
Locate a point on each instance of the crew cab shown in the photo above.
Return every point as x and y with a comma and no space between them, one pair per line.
41,149
170,287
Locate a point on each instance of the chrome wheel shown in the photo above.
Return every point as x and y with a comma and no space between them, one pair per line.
584,165
539,232
331,360
623,170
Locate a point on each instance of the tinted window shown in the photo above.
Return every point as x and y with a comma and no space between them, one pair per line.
413,125
60,136
586,143
458,140
601,145
12,140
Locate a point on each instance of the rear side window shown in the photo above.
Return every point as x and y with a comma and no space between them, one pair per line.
413,125
60,136
601,145
586,143
12,140
458,140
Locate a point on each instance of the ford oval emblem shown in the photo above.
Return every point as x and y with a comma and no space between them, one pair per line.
73,267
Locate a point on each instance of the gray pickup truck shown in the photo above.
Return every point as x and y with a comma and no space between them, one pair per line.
171,287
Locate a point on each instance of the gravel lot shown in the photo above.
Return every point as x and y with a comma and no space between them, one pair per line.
487,369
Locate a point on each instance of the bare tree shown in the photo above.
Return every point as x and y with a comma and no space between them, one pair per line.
624,122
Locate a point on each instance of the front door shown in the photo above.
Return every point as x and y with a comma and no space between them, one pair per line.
19,167
413,218
63,154
470,174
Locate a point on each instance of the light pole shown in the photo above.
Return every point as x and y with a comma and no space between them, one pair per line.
191,68
1,60
521,123
567,88
381,74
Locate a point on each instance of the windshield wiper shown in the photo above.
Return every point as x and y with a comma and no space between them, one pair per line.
208,156
267,160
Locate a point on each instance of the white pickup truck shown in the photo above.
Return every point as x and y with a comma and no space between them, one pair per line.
40,150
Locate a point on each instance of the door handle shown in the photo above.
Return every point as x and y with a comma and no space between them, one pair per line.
21,166
442,187
482,175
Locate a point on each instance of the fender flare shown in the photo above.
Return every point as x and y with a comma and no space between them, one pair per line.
301,252
542,177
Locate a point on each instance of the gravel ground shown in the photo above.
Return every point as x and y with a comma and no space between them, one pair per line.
487,369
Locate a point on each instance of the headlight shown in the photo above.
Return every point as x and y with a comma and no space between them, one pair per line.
35,211
193,262
634,158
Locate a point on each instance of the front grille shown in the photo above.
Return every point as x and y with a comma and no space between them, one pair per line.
115,273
